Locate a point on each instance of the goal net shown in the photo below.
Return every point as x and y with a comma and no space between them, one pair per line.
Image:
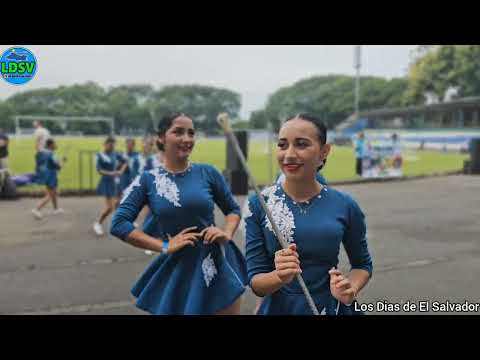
65,125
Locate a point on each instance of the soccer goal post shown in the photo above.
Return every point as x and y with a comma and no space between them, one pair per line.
64,120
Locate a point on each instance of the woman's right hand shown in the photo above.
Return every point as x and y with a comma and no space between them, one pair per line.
182,239
287,264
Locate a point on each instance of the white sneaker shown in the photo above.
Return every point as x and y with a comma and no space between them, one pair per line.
148,252
97,227
58,211
38,215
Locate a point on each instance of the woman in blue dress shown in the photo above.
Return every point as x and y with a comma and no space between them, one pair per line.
149,160
132,159
203,271
315,220
48,166
40,166
110,165
280,181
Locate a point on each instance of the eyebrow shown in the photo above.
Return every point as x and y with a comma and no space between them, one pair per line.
296,139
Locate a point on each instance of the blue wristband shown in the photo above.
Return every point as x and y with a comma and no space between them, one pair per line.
165,247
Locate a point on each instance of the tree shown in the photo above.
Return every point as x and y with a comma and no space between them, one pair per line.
441,68
134,107
75,100
241,125
330,97
202,103
129,105
6,117
467,71
258,119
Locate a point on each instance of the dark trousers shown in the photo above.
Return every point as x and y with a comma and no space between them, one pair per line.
358,167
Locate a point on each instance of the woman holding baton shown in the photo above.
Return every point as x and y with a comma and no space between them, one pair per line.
315,221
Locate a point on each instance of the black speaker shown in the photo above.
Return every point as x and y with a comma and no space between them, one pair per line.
475,156
238,180
466,167
8,189
233,163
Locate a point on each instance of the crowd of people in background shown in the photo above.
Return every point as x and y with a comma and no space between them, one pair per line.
117,170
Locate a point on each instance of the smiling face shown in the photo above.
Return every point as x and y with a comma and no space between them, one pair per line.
299,151
179,139
109,146
130,145
148,145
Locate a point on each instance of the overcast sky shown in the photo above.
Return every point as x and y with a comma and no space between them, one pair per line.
254,71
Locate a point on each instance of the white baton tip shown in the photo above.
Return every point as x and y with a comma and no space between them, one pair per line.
222,119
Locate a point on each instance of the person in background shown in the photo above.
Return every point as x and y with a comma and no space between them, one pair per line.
147,150
149,160
359,146
3,157
52,166
3,150
397,152
132,159
41,135
110,165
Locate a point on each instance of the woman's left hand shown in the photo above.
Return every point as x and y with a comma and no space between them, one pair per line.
212,234
341,287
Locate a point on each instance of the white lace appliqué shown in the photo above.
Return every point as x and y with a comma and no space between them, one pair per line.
246,210
281,214
105,158
246,213
209,269
156,162
129,189
142,162
166,187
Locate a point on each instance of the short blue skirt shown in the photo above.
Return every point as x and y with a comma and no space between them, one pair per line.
199,280
108,186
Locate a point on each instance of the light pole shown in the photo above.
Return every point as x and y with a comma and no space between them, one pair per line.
152,117
357,63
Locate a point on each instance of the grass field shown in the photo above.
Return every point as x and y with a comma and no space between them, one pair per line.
340,165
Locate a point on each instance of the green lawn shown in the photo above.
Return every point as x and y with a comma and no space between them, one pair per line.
340,164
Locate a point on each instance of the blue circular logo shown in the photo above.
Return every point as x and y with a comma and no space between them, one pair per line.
18,65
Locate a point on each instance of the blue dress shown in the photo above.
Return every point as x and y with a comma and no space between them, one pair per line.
199,280
109,186
146,164
41,167
326,221
132,171
52,167
149,163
